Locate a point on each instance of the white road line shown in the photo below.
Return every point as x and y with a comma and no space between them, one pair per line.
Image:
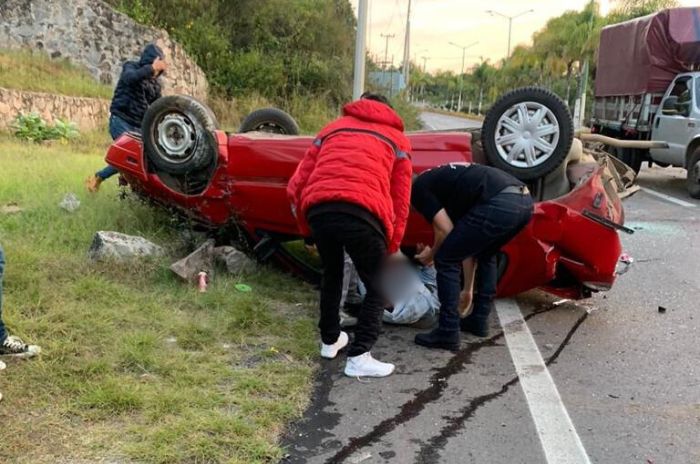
560,442
663,196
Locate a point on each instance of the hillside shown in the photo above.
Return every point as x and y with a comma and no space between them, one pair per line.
35,71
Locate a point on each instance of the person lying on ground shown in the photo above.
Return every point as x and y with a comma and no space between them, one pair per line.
10,344
474,211
351,194
136,89
410,290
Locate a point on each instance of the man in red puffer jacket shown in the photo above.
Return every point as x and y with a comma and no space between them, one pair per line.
351,193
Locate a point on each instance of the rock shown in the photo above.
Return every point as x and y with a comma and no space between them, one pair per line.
236,261
200,260
122,247
70,202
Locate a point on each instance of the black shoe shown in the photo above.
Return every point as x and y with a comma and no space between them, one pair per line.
478,326
439,338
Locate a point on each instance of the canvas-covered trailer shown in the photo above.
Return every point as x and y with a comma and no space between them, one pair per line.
637,61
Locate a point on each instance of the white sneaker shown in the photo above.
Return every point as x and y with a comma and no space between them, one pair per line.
365,365
331,351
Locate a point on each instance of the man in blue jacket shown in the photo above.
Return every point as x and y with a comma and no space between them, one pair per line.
136,89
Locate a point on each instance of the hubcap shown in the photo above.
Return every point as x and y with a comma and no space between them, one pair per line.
527,135
176,136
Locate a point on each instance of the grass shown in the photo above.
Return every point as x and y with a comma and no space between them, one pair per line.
311,113
136,366
35,71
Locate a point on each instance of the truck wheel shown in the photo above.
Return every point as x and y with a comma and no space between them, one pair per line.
693,180
527,133
632,157
270,120
178,135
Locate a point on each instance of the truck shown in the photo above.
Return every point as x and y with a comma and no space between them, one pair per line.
647,91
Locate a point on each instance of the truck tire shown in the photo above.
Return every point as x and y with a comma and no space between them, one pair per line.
270,120
528,133
630,156
693,179
178,135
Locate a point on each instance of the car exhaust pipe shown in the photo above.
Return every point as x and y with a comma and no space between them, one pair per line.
643,144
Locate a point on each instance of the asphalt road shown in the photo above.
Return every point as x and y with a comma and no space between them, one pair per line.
437,121
622,368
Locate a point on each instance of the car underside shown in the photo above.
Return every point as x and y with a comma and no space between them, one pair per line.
237,182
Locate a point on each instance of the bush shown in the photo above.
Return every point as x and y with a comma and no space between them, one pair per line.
33,128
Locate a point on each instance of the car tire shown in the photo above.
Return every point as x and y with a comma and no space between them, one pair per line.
693,179
630,156
270,120
178,135
504,131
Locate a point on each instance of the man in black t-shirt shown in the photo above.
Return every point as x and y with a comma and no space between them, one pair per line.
474,210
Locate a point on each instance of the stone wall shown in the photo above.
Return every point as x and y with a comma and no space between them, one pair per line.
87,113
90,33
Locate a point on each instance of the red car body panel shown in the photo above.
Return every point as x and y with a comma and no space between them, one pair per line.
249,187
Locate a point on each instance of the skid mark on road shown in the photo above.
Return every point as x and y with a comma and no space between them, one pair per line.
411,409
430,451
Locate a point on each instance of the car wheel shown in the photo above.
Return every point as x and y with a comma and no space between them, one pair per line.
693,179
528,133
270,120
178,135
630,156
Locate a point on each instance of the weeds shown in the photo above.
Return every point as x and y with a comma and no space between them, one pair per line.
35,71
33,128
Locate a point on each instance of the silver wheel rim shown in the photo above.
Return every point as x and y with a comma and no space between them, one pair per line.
527,135
176,136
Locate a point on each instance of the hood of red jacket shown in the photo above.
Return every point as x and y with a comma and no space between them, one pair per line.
373,111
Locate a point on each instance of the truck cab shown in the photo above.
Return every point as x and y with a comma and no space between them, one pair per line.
647,91
677,121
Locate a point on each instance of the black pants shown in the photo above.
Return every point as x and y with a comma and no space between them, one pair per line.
480,234
333,234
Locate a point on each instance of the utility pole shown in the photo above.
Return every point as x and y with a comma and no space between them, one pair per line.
425,59
386,51
510,23
461,73
358,84
407,48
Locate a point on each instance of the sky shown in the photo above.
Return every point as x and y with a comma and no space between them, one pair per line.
435,23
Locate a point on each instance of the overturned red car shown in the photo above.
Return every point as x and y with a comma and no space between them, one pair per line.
237,182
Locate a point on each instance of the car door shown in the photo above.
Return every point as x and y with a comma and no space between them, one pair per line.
676,129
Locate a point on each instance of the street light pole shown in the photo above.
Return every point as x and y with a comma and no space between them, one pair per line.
358,84
407,48
510,22
461,73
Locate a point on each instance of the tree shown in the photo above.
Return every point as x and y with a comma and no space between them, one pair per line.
276,48
630,9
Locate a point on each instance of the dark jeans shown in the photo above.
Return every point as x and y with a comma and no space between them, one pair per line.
333,233
3,332
117,126
480,233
